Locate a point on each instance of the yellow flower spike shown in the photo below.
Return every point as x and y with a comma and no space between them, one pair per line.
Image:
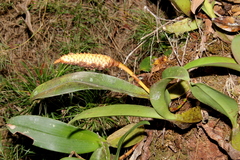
88,60
97,61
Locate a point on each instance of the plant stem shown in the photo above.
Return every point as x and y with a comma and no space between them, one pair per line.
126,69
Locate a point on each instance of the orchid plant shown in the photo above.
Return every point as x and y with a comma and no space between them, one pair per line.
45,131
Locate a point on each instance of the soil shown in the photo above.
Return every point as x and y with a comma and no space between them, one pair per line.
36,40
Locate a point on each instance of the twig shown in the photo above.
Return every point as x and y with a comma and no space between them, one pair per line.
174,51
128,152
133,51
184,50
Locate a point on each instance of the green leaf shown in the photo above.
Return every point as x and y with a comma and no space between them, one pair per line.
159,98
176,72
118,110
178,89
215,62
235,138
208,8
86,80
235,48
183,5
192,115
102,153
146,64
184,25
126,134
133,138
223,36
55,135
217,100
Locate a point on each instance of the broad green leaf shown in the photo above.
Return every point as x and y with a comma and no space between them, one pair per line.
121,141
102,153
235,48
133,138
85,80
176,72
184,25
217,100
118,110
160,98
55,135
215,62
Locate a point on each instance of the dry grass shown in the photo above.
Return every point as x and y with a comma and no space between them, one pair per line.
48,28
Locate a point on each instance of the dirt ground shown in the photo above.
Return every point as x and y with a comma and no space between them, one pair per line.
35,35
